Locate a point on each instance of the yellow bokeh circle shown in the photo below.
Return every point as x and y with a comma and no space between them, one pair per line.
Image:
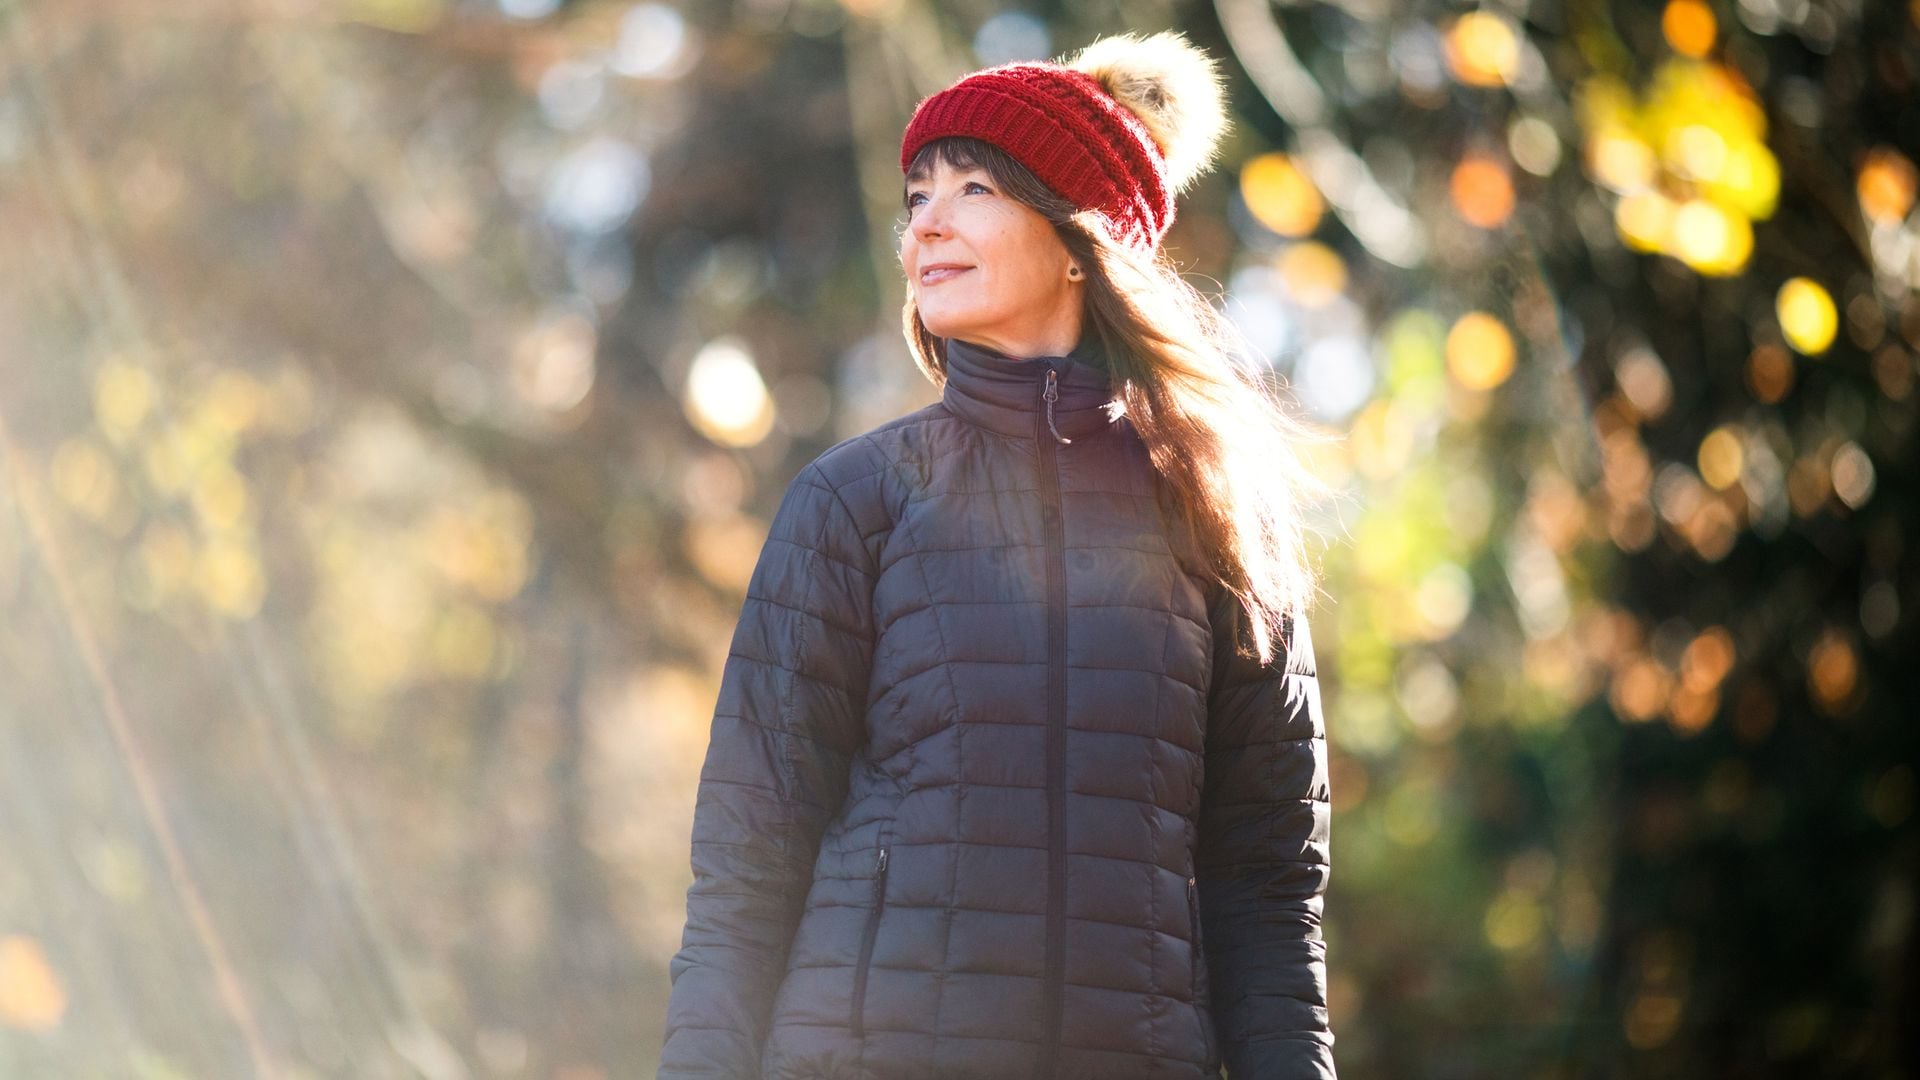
1480,351
1807,315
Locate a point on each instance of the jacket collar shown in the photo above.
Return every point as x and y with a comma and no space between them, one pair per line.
1003,393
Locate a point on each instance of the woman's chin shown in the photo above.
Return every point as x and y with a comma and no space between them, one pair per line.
945,326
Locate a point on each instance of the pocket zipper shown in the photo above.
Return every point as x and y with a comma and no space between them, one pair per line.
1193,948
858,1019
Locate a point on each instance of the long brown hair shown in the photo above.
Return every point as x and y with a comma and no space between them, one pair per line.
1215,430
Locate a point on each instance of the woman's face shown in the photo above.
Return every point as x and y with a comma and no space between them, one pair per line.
987,268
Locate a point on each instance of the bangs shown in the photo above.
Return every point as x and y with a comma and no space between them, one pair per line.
956,151
963,152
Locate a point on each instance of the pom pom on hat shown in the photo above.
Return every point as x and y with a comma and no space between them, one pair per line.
1175,90
1122,127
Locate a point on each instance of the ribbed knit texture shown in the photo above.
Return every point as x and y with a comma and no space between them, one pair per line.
1068,131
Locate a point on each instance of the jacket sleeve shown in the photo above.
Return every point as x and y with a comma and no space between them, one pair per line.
789,718
1262,859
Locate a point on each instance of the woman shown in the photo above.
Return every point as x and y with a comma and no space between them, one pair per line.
1018,766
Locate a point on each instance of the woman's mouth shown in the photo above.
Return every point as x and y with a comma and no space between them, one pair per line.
938,274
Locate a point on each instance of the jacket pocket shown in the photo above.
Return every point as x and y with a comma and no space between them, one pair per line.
858,1020
1201,1012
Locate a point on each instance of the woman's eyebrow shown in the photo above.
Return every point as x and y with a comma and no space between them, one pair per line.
972,174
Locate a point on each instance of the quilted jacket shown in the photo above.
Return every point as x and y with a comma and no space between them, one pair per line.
990,793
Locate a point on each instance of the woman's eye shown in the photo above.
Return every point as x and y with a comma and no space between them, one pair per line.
913,199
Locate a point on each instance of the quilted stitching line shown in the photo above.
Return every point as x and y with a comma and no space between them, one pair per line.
1024,847
953,872
1079,983
953,699
984,430
1188,619
1036,543
819,554
909,676
770,729
870,572
921,417
926,590
1076,493
872,579
937,415
971,1038
1155,1046
1079,856
931,416
810,614
796,675
1021,787
789,704
898,905
1194,945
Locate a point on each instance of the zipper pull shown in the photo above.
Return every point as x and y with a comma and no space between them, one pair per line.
1053,394
882,867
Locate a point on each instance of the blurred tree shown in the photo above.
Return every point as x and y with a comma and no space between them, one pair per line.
1753,389
1705,214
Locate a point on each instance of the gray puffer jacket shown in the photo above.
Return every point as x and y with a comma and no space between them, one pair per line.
990,793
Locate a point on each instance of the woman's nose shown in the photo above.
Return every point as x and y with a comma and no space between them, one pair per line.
930,219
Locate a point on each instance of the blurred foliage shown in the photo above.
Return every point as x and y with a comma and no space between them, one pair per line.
393,393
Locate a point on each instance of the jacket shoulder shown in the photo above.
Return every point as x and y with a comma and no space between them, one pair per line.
858,471
874,449
866,457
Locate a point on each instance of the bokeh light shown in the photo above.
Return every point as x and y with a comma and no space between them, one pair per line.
1689,160
31,995
1334,376
1482,191
1314,274
598,186
1483,48
1480,351
726,399
1710,238
1886,185
1689,27
654,42
1807,315
1280,196
1534,144
1721,458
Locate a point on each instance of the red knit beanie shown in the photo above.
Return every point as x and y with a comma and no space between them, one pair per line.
1121,128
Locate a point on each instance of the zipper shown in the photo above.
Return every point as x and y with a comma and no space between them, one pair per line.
858,1019
1193,919
1054,985
1051,395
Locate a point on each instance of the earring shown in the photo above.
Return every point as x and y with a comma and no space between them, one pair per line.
1073,272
